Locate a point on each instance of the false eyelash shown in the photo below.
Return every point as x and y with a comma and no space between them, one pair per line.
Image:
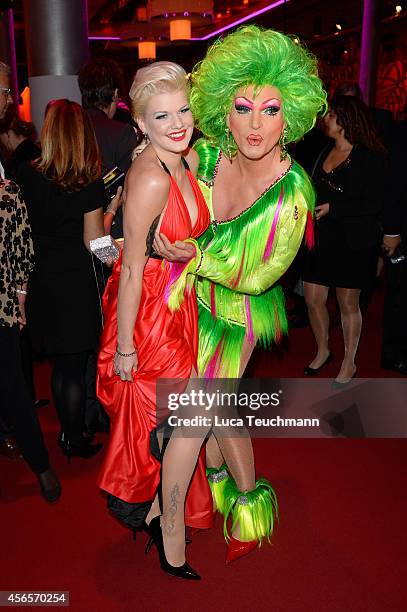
241,108
273,110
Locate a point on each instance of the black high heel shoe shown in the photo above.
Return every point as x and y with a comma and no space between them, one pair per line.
312,371
146,528
156,537
84,449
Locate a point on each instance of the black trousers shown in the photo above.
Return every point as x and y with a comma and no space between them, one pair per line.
16,403
27,361
394,342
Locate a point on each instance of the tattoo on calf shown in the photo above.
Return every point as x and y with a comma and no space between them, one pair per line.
150,237
174,497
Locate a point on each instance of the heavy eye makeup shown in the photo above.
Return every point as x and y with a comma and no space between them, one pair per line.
271,110
245,107
242,109
164,115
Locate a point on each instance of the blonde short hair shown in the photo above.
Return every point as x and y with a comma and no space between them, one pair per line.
156,78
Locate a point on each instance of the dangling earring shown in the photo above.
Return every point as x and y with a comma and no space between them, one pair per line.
146,138
282,144
228,151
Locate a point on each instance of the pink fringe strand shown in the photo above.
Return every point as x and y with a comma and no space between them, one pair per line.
309,231
270,240
176,271
210,371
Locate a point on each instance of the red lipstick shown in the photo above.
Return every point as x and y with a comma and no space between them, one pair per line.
177,136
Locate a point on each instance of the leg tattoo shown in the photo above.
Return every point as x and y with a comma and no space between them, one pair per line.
174,496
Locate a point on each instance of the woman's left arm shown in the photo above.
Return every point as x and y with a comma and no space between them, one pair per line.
22,252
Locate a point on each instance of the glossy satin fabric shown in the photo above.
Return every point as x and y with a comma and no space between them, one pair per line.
167,345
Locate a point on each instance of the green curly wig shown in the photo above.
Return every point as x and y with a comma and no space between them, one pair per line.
259,57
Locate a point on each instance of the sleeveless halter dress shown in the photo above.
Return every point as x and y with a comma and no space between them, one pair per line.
167,344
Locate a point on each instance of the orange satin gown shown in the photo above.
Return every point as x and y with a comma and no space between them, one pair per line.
167,344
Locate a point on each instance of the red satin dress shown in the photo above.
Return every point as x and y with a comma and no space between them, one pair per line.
167,344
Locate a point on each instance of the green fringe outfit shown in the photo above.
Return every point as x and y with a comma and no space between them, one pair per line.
235,271
238,263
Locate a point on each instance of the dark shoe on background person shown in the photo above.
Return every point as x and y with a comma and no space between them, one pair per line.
337,385
308,371
41,403
83,448
50,485
9,448
395,365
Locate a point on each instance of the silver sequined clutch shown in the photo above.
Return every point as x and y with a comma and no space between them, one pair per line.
105,248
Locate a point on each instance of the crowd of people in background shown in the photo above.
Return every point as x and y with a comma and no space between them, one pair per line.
53,202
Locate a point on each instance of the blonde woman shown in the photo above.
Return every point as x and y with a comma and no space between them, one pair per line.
142,339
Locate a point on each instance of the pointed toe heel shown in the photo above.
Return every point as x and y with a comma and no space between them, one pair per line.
237,549
184,571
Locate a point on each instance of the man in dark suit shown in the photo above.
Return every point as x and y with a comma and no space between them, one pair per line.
101,83
394,340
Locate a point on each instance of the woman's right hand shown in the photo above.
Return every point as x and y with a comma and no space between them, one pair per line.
180,252
117,201
321,210
125,366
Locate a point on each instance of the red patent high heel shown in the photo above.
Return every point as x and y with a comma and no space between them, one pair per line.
237,549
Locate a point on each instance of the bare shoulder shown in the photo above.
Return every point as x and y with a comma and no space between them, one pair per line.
192,158
146,178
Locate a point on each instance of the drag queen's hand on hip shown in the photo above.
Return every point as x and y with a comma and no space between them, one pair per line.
125,364
178,251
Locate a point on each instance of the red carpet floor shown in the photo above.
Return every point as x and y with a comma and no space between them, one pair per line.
340,545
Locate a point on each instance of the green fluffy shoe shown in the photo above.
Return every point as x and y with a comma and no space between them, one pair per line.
217,478
254,511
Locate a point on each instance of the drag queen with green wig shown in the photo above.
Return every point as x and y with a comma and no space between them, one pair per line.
255,91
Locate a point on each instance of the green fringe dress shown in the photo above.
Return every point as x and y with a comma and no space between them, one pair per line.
238,264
